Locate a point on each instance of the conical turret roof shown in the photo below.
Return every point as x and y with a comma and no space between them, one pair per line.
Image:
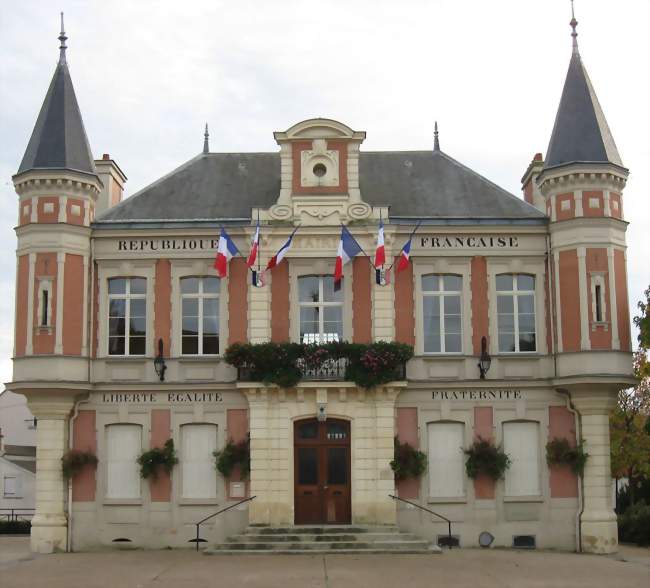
59,139
580,133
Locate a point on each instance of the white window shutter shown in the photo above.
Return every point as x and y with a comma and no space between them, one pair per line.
521,443
446,461
124,445
198,473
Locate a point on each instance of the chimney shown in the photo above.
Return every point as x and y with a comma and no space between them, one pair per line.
532,195
113,179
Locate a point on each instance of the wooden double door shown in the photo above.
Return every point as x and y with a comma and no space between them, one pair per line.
322,472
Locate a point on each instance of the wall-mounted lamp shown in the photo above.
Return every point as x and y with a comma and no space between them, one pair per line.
159,363
485,360
321,412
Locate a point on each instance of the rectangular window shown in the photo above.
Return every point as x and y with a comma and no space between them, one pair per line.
127,316
199,478
321,310
441,306
446,460
599,304
200,315
123,446
44,308
516,312
10,487
521,443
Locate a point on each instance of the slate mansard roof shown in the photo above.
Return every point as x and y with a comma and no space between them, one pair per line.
415,184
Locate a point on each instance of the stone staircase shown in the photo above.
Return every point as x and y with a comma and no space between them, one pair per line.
326,539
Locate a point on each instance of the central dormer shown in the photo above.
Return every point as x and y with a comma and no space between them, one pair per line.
319,174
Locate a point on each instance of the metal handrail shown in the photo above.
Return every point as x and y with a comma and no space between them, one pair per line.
449,539
16,514
198,540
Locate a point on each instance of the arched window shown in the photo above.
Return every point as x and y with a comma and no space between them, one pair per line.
198,474
127,316
516,312
521,443
446,459
200,315
441,309
321,310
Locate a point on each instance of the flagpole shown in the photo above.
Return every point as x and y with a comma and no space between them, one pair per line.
359,245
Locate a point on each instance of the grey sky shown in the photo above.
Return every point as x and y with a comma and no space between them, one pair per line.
149,74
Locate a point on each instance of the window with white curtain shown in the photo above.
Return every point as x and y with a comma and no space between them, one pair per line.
321,310
123,446
11,487
516,312
199,477
446,460
521,443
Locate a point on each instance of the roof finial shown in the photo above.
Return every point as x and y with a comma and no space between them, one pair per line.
63,46
574,34
206,136
436,142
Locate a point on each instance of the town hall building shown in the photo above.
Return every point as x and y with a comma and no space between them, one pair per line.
122,326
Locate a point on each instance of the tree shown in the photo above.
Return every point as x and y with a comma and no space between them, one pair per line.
630,420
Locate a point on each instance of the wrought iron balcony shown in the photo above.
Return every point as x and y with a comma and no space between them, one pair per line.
330,370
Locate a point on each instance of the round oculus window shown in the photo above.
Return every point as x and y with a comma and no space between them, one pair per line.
319,170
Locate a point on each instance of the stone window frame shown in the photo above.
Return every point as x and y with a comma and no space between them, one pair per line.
321,305
530,266
440,294
460,266
183,420
125,269
190,268
598,279
45,284
309,267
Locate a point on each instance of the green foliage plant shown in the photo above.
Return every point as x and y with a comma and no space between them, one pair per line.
75,460
282,364
634,524
559,452
232,455
157,457
485,458
408,462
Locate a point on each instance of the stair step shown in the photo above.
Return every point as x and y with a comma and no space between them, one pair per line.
427,551
320,545
290,537
319,530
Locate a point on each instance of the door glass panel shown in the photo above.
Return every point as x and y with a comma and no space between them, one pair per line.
337,465
308,466
336,430
308,430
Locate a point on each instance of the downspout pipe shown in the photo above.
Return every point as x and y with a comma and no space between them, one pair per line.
581,506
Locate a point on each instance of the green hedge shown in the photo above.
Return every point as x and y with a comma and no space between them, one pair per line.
634,524
282,363
15,527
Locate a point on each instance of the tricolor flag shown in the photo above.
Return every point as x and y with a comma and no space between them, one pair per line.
348,248
257,279
279,256
225,251
404,256
255,244
380,252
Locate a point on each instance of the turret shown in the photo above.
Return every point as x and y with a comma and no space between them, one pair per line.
58,186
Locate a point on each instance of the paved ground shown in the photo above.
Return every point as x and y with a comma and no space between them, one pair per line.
187,569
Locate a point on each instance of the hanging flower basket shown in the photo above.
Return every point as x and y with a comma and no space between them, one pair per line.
232,455
486,459
408,461
158,457
74,460
559,452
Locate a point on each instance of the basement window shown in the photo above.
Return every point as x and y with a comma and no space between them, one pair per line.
524,541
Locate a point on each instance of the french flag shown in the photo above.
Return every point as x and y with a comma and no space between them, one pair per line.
225,251
348,248
279,256
255,244
404,256
380,253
